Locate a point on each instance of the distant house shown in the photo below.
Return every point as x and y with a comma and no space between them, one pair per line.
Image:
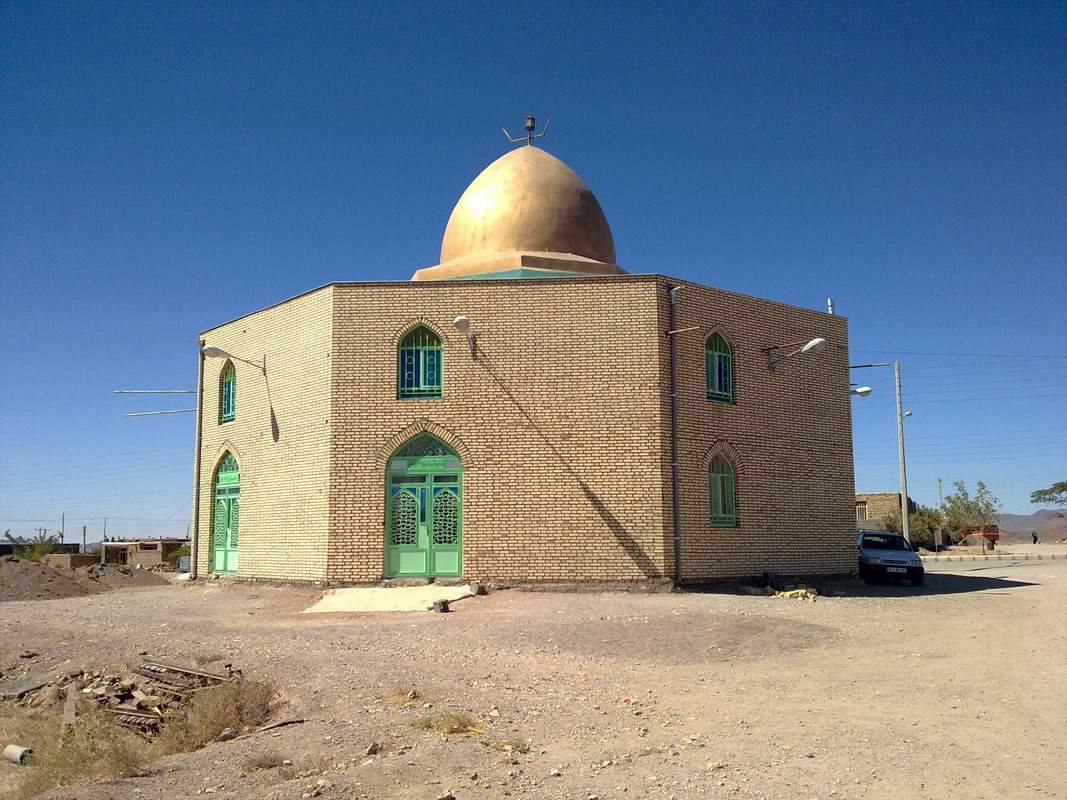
145,553
872,509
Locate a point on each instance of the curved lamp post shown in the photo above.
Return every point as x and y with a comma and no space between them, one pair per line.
809,346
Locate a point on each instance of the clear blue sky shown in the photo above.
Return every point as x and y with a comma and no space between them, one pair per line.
168,166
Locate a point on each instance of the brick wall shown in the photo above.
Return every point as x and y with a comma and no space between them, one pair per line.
881,504
788,433
280,437
557,421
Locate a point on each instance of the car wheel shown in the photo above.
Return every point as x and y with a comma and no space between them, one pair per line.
918,581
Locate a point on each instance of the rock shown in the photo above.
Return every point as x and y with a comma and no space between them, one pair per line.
48,696
16,689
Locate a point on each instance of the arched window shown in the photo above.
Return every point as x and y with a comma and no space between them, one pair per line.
419,370
228,393
723,506
720,370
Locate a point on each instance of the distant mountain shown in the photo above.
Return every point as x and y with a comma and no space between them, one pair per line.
1049,525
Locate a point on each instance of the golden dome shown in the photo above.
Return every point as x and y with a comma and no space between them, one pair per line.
526,203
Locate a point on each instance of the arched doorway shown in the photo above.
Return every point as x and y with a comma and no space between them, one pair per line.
423,528
227,516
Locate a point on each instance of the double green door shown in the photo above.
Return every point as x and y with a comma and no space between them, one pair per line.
423,525
227,517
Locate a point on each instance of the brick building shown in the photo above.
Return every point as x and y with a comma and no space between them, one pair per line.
879,505
508,415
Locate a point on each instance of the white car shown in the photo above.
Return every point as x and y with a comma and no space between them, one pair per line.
887,556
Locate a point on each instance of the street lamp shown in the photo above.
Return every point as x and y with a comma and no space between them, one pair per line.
463,325
900,441
809,346
218,352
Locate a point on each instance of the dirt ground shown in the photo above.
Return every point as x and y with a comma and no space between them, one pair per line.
955,690
23,579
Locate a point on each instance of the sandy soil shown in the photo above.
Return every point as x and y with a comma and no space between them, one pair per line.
954,690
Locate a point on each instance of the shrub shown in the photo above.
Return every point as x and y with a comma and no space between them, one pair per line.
94,747
173,556
33,548
244,704
446,722
403,695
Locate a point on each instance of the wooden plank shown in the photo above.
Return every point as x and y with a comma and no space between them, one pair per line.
69,708
187,671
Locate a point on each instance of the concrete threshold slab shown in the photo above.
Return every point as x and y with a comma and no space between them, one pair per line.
375,598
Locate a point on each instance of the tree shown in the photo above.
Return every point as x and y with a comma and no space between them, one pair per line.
923,523
1055,495
965,512
33,547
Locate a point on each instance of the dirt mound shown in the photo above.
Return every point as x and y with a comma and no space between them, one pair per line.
23,579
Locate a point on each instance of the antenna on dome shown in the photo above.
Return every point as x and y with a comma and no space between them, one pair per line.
530,135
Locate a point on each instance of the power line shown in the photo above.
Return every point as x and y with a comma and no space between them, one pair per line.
956,355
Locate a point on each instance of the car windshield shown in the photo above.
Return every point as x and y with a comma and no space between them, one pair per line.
882,542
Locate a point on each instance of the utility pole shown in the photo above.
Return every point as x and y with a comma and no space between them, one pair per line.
904,522
62,526
83,538
941,521
903,470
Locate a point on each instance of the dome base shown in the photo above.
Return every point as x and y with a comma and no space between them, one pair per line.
517,265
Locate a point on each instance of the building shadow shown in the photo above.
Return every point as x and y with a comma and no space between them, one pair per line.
936,583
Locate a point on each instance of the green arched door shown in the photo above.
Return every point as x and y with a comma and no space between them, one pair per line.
423,527
227,516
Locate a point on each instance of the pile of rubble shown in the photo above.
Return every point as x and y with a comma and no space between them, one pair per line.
801,593
141,698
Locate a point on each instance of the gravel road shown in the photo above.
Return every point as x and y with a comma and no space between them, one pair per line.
955,690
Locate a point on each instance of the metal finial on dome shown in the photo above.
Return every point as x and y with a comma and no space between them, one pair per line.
530,135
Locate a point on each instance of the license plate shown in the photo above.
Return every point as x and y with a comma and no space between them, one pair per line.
895,569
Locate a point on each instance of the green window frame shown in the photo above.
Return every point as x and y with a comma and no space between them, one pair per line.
228,393
419,364
723,488
720,364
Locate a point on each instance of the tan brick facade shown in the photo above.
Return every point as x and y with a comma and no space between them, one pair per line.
562,421
880,505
